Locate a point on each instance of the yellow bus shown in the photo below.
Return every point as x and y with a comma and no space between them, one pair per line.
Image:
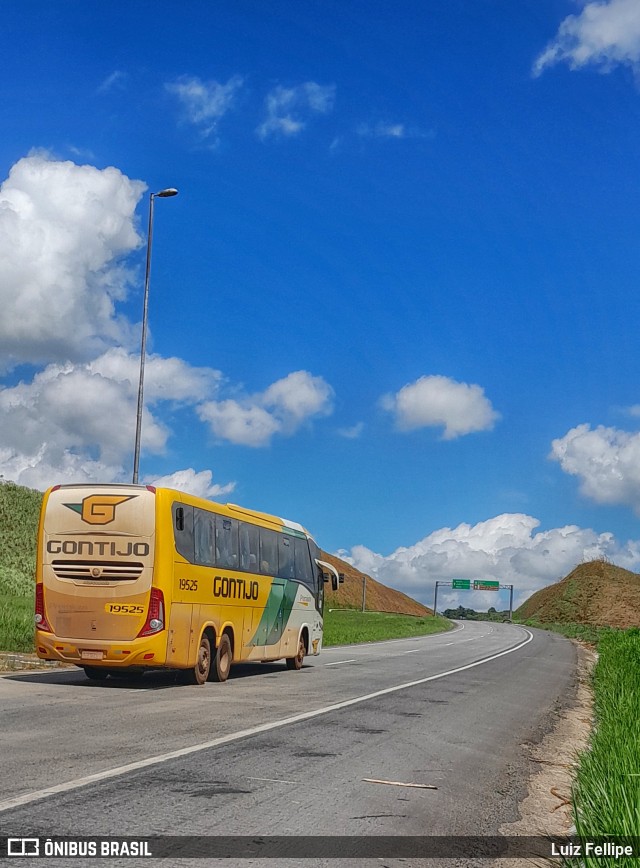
131,578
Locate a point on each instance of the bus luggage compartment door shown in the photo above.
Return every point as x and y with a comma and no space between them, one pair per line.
181,639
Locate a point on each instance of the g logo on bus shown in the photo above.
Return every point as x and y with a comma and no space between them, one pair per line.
99,508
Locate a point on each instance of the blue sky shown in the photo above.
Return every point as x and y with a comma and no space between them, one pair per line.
396,298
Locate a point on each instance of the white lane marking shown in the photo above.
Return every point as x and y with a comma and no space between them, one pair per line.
413,651
340,662
117,772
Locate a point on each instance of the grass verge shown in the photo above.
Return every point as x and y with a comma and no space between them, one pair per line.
607,789
584,632
16,624
347,626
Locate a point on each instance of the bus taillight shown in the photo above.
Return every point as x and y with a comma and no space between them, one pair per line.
155,615
40,617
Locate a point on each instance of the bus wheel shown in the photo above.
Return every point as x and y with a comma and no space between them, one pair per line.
296,662
200,672
222,660
95,673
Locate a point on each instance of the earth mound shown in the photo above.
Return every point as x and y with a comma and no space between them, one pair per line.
379,598
596,593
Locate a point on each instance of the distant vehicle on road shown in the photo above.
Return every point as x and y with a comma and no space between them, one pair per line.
130,578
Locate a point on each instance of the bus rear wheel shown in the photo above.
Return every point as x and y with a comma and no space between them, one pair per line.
200,672
222,660
297,661
95,673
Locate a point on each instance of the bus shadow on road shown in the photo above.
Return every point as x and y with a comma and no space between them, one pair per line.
76,678
161,680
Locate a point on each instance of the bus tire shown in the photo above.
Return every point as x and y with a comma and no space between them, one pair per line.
297,661
222,660
200,672
95,673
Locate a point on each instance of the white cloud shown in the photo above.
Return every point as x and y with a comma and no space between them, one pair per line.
352,433
165,379
434,401
205,103
606,460
382,131
603,34
51,467
245,425
199,484
80,418
392,130
506,548
116,80
64,230
289,107
297,397
281,409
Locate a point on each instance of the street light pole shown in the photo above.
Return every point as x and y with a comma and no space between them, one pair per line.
163,194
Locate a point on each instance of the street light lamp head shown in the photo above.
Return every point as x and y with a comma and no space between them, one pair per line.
164,194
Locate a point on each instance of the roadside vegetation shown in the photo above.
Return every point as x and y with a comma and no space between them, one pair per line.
19,511
16,624
463,614
606,798
348,626
606,790
589,633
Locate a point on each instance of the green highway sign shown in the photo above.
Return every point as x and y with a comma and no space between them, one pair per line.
461,584
481,585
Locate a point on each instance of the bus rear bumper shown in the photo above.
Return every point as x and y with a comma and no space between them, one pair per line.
146,651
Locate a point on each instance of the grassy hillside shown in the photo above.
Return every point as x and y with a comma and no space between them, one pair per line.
19,511
597,593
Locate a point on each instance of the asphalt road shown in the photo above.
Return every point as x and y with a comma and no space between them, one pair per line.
273,752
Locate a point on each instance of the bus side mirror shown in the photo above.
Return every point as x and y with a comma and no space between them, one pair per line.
330,577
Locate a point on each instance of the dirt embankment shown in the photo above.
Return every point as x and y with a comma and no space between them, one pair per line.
379,598
596,593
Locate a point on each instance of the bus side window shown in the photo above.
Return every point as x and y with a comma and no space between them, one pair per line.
304,570
249,547
318,581
227,542
268,552
183,530
286,567
204,524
